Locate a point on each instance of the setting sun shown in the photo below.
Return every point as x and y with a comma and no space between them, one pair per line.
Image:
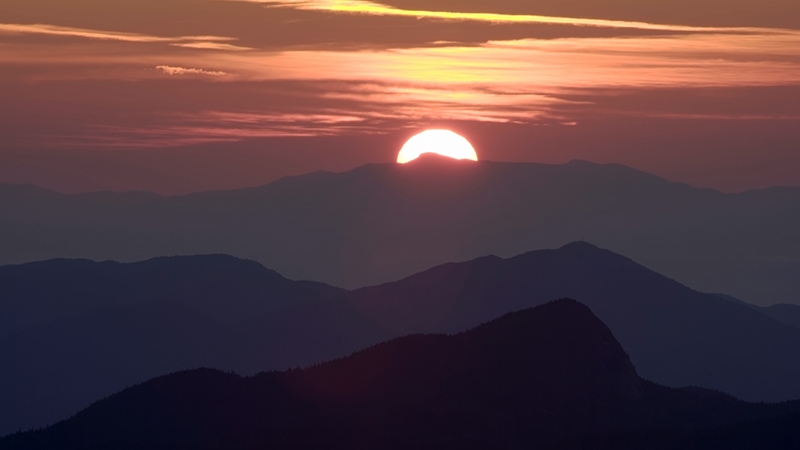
442,142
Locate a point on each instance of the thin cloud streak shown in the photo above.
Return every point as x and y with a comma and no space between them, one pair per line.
212,46
172,70
224,126
54,30
372,8
718,117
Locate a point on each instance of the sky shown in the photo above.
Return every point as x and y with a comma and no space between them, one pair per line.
176,96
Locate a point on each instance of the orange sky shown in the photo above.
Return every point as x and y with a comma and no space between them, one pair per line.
123,80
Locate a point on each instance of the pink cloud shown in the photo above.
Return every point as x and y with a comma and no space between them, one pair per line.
172,70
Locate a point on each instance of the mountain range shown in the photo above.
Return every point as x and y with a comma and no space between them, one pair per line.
552,376
74,331
382,222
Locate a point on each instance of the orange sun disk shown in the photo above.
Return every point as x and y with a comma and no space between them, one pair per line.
442,142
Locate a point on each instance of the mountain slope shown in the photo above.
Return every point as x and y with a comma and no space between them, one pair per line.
788,314
381,222
783,312
534,377
73,331
229,289
84,339
52,371
675,336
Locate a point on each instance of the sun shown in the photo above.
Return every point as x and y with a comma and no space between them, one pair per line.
442,142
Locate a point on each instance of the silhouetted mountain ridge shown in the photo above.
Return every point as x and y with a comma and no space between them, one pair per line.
784,313
675,336
381,222
788,314
531,378
72,331
221,286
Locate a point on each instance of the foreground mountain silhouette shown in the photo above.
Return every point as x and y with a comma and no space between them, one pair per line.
675,336
82,340
534,377
74,331
381,222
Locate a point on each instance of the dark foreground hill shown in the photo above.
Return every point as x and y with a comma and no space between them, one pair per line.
382,222
91,329
782,432
531,378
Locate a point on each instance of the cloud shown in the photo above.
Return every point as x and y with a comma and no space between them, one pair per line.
172,70
257,119
535,66
211,46
527,81
372,8
55,30
346,90
224,126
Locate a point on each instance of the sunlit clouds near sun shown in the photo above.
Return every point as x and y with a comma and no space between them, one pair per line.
513,81
256,90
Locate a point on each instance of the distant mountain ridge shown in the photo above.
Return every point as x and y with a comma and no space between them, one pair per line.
381,222
530,379
783,312
172,314
221,286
